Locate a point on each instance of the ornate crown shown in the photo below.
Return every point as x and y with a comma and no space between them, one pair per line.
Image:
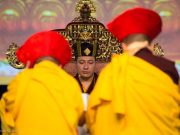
86,28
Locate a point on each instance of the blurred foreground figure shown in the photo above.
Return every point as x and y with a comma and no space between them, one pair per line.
137,92
40,101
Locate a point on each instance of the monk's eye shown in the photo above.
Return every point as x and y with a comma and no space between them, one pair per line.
81,62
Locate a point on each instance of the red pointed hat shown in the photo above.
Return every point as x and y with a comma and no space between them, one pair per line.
136,21
48,43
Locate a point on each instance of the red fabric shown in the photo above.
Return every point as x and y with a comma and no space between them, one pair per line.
134,21
48,43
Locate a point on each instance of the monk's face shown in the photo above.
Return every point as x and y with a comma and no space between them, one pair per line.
86,66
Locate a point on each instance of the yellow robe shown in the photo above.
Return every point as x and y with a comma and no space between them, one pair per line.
44,100
132,97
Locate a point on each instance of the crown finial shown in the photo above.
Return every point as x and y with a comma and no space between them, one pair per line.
81,4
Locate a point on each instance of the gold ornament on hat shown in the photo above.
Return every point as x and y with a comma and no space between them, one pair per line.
87,51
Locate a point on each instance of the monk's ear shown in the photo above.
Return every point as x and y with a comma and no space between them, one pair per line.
28,63
124,46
